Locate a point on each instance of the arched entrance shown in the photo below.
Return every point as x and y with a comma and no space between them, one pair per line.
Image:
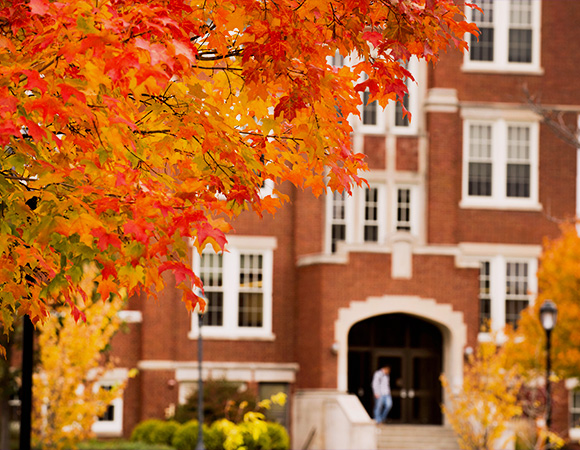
413,348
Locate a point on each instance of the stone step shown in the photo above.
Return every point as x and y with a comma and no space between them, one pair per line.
416,437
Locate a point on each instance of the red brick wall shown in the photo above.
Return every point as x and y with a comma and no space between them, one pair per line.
375,151
326,288
407,154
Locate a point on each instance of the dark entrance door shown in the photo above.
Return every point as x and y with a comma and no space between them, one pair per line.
413,349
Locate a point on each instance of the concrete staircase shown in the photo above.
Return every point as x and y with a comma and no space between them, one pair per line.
416,437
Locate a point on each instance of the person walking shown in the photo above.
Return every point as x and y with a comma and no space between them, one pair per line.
381,385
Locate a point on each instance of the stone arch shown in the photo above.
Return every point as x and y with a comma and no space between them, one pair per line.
450,323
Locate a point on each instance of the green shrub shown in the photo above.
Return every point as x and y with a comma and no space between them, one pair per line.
143,431
185,437
255,435
221,400
216,435
163,433
279,439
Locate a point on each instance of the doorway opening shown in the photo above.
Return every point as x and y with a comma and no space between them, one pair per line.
413,348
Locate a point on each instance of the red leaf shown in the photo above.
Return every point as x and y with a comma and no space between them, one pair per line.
374,37
34,130
193,302
137,230
38,7
106,239
180,270
108,270
33,80
67,90
206,231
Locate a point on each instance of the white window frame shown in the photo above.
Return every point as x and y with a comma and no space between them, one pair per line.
572,384
501,25
386,215
497,294
348,220
111,428
379,127
414,202
417,69
237,245
381,222
499,141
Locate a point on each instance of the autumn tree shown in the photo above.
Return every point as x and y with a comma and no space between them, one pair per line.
71,363
131,128
480,412
558,280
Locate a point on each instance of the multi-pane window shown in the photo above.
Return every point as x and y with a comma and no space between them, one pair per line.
506,288
371,219
574,407
500,164
520,31
371,215
238,287
481,46
251,295
508,37
369,113
403,209
211,274
402,119
110,423
517,296
109,415
480,160
484,295
338,223
518,162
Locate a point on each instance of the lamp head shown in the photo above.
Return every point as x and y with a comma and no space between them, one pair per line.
548,315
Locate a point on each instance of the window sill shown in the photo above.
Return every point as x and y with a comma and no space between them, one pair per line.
501,205
493,68
103,429
218,335
574,434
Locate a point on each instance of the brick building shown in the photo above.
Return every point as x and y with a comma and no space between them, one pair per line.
403,272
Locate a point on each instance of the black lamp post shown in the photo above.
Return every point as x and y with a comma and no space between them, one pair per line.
200,445
548,315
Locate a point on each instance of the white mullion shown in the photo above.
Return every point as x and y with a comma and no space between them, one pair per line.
231,283
499,160
382,213
501,14
497,292
267,290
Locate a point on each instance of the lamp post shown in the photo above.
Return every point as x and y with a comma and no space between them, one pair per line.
200,445
548,315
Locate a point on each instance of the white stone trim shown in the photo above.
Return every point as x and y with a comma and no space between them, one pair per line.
186,374
442,100
451,324
131,316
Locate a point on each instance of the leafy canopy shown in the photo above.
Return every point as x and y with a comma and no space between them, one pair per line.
558,280
130,128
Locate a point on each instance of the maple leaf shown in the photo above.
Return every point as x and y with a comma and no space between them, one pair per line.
181,271
138,230
105,239
374,37
39,7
